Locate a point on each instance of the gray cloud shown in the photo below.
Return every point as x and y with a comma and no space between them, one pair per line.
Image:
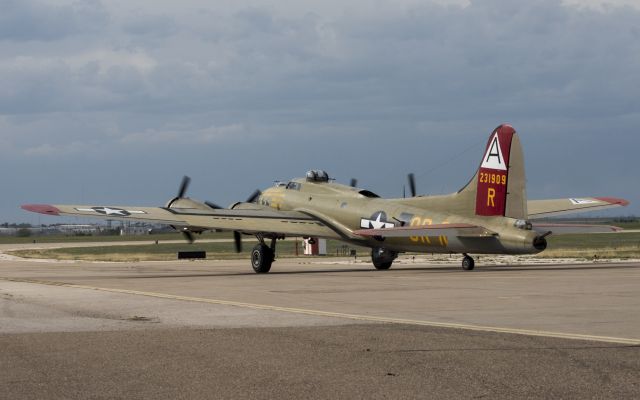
35,20
155,26
553,59
373,92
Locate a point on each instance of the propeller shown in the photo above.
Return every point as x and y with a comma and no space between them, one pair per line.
412,184
237,238
254,196
354,182
188,236
182,190
184,185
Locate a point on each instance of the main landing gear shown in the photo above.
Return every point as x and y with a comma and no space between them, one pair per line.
467,263
262,256
383,258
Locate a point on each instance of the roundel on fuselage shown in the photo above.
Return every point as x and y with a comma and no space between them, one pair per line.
377,221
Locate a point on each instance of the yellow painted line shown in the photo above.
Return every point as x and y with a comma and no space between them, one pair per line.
356,317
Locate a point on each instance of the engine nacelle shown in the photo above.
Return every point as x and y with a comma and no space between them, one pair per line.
187,203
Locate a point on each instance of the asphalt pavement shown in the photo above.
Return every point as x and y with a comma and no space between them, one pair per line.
318,329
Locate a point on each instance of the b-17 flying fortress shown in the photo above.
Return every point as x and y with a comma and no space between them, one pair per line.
489,215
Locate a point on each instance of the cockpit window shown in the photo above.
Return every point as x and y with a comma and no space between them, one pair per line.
293,186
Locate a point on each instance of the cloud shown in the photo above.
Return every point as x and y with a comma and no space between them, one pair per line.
63,150
290,84
429,60
601,5
93,80
104,60
24,20
188,137
141,24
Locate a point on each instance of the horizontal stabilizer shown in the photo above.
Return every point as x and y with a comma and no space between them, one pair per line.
547,208
558,229
459,230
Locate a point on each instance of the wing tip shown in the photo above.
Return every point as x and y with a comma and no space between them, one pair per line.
614,200
41,209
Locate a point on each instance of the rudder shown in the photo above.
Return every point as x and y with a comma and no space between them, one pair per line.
500,180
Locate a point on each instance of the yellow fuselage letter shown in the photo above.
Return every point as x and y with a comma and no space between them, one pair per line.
491,194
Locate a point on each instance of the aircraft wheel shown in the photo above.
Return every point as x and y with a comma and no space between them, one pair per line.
382,265
467,263
382,258
261,258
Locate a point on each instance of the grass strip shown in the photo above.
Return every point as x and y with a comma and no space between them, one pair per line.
589,246
168,251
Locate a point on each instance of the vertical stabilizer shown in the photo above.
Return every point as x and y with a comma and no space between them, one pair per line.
500,187
497,188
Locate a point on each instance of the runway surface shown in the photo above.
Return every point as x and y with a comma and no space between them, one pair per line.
318,329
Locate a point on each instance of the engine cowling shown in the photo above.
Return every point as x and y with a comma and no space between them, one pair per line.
187,203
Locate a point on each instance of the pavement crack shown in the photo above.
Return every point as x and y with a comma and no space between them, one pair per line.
139,318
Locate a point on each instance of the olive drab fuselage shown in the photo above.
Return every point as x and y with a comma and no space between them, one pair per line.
347,209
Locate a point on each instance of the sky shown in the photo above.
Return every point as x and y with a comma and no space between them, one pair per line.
112,102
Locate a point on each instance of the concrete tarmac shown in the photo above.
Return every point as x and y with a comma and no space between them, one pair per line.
318,328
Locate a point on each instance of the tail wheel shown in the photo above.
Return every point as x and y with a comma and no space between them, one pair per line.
467,263
261,258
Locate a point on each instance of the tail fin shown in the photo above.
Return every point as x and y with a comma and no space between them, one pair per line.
499,183
497,188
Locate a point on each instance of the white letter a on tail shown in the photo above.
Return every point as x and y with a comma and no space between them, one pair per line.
493,158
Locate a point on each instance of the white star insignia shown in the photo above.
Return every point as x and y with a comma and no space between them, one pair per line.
111,211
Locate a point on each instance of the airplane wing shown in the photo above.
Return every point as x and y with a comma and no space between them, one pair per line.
547,208
250,219
459,230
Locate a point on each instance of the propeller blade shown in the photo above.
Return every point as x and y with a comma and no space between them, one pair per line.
237,238
189,236
212,205
254,196
354,182
184,185
412,184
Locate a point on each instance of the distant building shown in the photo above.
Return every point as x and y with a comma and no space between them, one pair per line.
78,228
315,247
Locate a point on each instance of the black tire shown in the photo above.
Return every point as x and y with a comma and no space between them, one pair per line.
382,265
382,259
261,258
468,263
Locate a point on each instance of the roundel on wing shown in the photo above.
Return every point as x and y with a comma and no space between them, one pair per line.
111,211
